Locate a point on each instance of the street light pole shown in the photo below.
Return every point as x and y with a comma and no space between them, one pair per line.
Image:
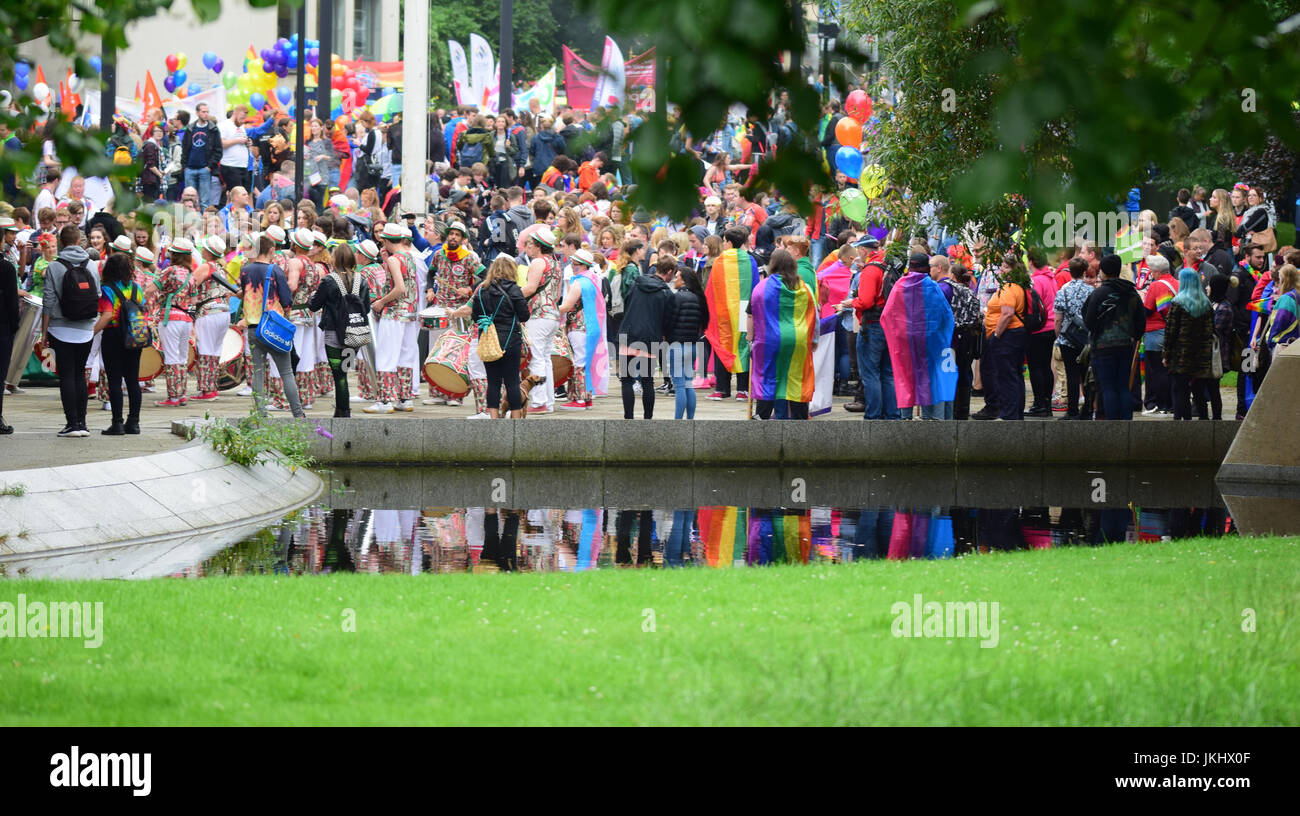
415,104
300,97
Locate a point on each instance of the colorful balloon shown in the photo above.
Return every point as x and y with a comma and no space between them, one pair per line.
181,59
218,65
257,101
209,60
848,132
172,63
849,162
858,105
284,95
873,180
194,87
22,80
181,76
854,204
169,82
181,93
22,69
228,79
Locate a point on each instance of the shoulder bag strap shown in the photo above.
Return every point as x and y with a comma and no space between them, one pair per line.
266,290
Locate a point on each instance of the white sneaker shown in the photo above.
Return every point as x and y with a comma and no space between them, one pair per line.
453,403
481,415
379,408
1150,411
436,401
405,405
636,387
358,399
246,391
105,406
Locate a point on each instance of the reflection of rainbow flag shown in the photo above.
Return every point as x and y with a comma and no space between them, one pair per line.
784,323
775,538
731,282
589,538
724,534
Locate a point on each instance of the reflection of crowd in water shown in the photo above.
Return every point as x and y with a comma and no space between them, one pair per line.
486,539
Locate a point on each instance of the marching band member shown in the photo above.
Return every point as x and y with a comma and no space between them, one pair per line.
322,376
304,276
211,314
144,275
373,273
543,292
455,267
393,305
171,288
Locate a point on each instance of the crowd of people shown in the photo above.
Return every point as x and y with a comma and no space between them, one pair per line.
528,237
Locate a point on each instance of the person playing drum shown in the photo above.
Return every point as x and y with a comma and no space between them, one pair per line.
543,292
322,376
304,274
456,268
211,312
144,274
372,272
172,289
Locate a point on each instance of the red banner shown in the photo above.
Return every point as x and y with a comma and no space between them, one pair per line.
580,76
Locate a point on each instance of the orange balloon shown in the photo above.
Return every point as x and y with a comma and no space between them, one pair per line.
848,132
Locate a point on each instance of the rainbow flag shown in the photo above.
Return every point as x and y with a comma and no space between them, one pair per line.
918,323
1166,288
785,325
734,275
724,533
595,357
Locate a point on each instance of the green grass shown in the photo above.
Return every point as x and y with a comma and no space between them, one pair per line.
1145,634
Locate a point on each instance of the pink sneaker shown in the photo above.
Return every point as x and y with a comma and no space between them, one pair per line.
700,382
742,396
716,395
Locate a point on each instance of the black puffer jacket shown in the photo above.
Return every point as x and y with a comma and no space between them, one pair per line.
505,304
328,300
643,320
684,317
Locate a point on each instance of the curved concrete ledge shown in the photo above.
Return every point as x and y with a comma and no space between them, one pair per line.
1264,451
140,517
537,441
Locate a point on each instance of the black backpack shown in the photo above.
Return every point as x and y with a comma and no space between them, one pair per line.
79,297
1035,316
356,332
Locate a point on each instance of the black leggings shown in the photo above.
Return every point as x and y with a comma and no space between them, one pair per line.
644,521
505,372
121,364
1075,372
342,399
1039,356
70,359
723,378
797,410
6,351
634,370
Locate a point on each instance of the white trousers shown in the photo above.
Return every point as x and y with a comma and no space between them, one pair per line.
175,338
541,337
210,333
388,345
306,339
409,353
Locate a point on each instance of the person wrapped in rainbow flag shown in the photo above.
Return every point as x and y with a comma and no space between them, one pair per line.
784,327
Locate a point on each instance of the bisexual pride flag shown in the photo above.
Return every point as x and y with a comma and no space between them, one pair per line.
917,322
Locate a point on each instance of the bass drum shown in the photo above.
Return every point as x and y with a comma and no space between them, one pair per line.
447,367
230,371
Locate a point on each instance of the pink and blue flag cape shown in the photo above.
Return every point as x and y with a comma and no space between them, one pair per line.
918,323
595,357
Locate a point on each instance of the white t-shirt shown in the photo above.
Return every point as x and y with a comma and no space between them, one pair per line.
45,198
236,155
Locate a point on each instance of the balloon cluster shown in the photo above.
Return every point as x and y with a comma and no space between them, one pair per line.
848,132
176,77
347,91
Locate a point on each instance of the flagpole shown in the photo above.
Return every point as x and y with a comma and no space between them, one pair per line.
300,97
506,86
415,105
108,88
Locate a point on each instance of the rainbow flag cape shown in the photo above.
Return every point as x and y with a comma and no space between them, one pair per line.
724,533
1165,294
918,323
776,537
734,275
595,357
785,324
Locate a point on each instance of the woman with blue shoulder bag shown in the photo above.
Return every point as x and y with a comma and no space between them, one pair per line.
266,298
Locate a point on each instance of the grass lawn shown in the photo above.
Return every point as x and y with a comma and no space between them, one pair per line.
1125,634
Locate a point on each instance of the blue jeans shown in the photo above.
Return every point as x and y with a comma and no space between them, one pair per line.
201,180
877,374
681,368
1112,366
678,546
817,251
940,410
395,176
843,347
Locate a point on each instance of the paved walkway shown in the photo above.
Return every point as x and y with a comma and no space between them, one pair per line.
37,417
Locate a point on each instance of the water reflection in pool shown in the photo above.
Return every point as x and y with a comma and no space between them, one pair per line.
478,539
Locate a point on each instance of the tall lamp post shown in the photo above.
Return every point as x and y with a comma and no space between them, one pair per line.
415,104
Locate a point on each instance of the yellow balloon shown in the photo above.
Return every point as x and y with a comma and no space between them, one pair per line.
180,60
873,180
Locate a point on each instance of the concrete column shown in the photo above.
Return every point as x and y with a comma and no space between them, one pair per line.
415,126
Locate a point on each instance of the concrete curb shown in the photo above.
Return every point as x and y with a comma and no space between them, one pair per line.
167,502
408,440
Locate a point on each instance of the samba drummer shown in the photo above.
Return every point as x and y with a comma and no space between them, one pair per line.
143,272
304,275
321,377
543,292
395,310
376,279
175,323
211,311
456,268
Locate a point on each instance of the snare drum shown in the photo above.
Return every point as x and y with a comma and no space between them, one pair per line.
230,372
433,317
447,367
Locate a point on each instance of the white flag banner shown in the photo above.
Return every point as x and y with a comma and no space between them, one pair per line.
480,69
612,83
459,71
543,91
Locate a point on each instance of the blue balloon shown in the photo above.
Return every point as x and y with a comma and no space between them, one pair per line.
22,69
337,112
256,101
97,63
194,88
21,81
284,95
849,162
181,76
293,111
209,59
